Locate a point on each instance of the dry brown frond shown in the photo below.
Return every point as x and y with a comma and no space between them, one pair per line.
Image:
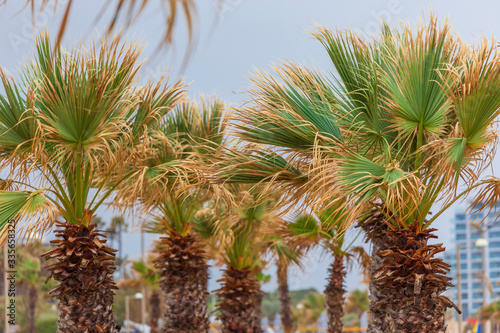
130,10
488,198
32,225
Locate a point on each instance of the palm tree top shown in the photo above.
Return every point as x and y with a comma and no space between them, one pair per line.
73,123
401,120
170,183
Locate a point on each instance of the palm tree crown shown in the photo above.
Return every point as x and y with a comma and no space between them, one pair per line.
75,120
399,122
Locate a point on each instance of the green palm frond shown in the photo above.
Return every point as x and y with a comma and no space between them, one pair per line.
18,127
239,231
283,250
305,226
155,100
476,90
360,100
85,121
254,166
30,213
83,100
295,113
172,175
195,127
403,119
205,224
416,76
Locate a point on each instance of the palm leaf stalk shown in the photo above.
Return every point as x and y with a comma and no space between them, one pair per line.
405,117
169,187
66,132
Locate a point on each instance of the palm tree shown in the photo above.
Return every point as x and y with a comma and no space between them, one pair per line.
30,277
71,125
287,251
118,227
325,229
168,187
284,295
262,278
358,303
145,275
29,274
403,119
239,231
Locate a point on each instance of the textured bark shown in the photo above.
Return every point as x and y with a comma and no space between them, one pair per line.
285,301
375,228
183,268
257,313
32,301
237,298
412,281
84,270
334,294
155,311
120,252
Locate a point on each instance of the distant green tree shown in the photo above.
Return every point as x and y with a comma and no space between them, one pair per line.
117,228
357,303
307,312
32,281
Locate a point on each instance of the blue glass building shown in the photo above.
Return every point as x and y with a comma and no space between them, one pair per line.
471,261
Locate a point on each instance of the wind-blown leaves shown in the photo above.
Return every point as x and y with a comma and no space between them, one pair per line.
173,179
30,213
258,166
403,119
81,120
416,78
475,99
130,10
305,226
294,114
18,127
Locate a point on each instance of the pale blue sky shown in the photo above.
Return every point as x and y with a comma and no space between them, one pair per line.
249,34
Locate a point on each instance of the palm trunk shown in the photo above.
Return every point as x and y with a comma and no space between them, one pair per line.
84,270
334,293
155,312
120,252
285,301
184,271
237,298
375,229
32,301
258,313
411,281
